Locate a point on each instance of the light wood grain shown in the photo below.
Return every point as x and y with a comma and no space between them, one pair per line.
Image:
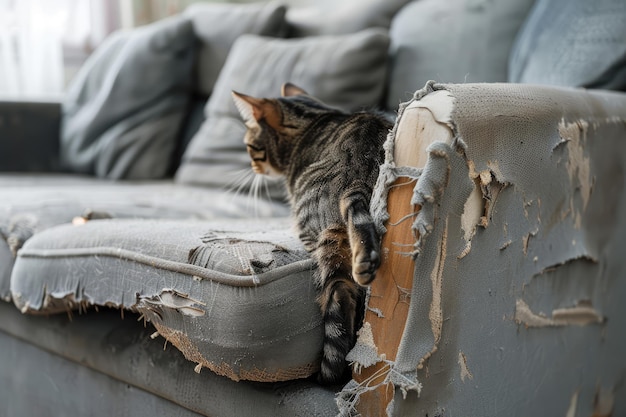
394,280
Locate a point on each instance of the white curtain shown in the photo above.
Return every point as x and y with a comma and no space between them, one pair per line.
34,35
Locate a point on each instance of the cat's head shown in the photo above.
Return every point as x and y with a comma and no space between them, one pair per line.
274,125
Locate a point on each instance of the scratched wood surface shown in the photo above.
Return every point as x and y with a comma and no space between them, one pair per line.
394,280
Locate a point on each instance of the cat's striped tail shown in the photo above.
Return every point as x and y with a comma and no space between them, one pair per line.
340,303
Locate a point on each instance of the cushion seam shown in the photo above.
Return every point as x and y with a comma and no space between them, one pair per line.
174,266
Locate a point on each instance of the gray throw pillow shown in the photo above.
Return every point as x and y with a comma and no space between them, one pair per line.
332,17
451,41
575,43
219,25
123,111
345,71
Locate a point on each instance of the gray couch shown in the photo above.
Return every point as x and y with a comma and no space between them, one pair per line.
148,282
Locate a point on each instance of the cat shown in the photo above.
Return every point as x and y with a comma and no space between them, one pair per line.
330,161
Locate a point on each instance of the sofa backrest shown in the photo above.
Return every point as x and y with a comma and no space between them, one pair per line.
454,41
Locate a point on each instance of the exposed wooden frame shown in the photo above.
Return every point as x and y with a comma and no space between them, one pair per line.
390,292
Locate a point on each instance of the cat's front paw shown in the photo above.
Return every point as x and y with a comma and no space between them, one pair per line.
365,265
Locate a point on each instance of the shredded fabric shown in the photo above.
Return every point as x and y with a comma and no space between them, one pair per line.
364,353
429,190
20,228
430,183
543,227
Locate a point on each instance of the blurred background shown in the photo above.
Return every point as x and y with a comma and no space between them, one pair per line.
44,42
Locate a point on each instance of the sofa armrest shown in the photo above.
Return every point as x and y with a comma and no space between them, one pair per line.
29,136
388,304
503,255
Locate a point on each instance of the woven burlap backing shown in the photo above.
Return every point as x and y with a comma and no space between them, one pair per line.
191,352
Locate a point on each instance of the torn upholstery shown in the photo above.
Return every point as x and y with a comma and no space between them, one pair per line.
237,299
521,218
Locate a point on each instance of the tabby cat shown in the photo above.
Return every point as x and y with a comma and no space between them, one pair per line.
330,161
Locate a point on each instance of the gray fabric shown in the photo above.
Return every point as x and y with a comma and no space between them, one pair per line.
219,25
192,123
573,43
103,363
32,203
531,292
329,17
57,199
6,265
29,133
214,290
343,71
122,114
64,388
451,41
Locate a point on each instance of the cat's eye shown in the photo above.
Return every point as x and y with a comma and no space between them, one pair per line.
257,154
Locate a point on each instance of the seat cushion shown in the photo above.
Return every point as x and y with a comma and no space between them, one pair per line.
32,203
234,296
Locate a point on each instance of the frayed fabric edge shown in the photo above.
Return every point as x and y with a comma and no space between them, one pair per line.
348,398
388,172
386,176
428,191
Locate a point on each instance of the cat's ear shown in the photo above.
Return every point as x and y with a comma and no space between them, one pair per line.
254,109
288,90
250,108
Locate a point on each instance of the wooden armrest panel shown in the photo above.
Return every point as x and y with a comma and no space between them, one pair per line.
389,299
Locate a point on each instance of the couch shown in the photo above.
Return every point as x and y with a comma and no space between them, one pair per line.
143,271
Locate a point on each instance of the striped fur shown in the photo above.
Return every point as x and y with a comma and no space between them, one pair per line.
330,161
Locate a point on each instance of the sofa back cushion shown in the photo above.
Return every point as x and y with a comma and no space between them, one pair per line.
344,71
218,26
575,43
451,41
124,109
331,17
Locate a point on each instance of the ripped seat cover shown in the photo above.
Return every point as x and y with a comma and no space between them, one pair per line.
234,296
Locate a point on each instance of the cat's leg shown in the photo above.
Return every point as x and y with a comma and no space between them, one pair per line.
308,240
340,299
364,240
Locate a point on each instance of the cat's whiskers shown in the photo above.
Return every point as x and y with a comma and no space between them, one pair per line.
256,186
254,193
266,188
241,179
259,184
